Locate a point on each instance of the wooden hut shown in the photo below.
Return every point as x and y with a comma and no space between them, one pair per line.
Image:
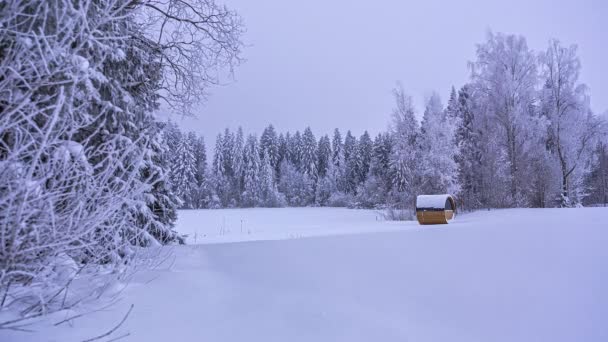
435,209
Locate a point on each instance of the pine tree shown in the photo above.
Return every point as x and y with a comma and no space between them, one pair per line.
469,155
237,179
452,108
350,143
324,156
220,180
183,171
269,146
162,205
326,186
337,148
351,160
308,159
597,181
283,154
270,196
373,192
203,191
295,150
338,161
365,156
251,173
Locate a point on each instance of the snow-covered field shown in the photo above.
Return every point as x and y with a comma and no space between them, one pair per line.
501,275
232,225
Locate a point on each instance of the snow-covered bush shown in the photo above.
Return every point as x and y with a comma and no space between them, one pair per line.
296,186
84,176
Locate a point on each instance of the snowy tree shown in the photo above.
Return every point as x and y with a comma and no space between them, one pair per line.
237,177
572,127
405,156
351,163
83,169
282,150
468,155
373,192
437,148
327,186
220,178
451,110
283,153
183,170
161,215
337,148
295,186
505,75
339,163
295,150
365,148
204,192
597,181
228,154
324,156
252,192
308,159
269,146
350,144
270,196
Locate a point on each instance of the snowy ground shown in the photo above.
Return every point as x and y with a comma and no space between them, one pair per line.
504,275
233,225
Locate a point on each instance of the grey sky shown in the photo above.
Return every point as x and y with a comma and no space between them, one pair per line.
329,64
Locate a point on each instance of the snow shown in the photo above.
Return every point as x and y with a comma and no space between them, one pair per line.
431,201
500,275
232,225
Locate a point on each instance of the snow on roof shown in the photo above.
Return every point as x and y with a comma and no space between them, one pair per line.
432,201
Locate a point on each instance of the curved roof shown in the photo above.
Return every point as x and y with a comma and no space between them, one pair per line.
432,201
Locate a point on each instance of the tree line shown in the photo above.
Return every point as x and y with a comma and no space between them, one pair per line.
520,133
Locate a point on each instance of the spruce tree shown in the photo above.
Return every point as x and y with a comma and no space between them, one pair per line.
184,171
365,148
203,193
270,196
252,196
237,178
269,146
309,154
220,180
352,163
282,152
337,148
295,150
324,156
469,154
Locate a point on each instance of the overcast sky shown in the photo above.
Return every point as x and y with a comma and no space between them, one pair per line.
333,63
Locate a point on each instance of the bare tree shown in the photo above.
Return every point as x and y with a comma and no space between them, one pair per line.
196,41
